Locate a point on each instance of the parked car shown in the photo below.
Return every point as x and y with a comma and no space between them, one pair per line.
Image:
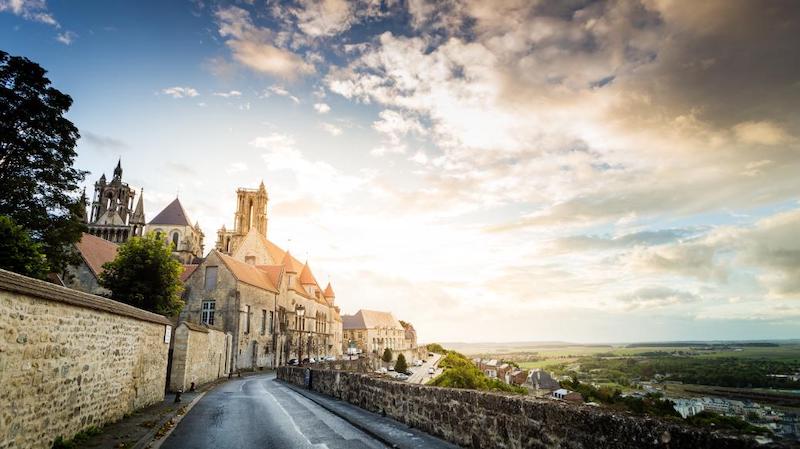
381,370
417,362
401,376
292,362
391,368
431,371
330,358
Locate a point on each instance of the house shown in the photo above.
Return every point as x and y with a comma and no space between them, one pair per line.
516,377
541,380
374,331
85,276
567,395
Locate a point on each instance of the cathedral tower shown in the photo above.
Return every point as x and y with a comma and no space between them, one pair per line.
112,209
251,213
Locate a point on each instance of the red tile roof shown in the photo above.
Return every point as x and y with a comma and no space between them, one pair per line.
187,271
249,274
95,252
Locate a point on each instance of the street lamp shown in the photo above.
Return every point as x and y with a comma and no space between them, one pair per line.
301,313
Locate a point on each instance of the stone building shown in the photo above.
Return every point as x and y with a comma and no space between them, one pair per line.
251,212
374,331
84,276
113,216
174,225
271,303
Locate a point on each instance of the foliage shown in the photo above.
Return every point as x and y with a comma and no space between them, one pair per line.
387,355
707,419
18,253
78,440
400,365
460,372
145,275
436,348
651,404
37,150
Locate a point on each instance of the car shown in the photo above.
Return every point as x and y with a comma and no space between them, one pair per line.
417,362
391,368
409,372
430,354
401,376
381,370
431,371
330,358
293,362
312,360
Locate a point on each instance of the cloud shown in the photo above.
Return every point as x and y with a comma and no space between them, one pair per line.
640,238
101,142
232,93
35,10
761,133
319,19
67,37
322,108
180,92
331,129
653,297
236,167
280,91
255,48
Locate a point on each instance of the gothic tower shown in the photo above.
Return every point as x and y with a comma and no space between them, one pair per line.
112,217
251,213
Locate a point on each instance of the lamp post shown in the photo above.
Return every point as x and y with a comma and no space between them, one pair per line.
301,313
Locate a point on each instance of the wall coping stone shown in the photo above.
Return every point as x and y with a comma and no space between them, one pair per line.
194,326
18,283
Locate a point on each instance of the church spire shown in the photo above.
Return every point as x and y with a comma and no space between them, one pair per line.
118,170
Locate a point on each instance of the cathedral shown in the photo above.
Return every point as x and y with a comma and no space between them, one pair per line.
113,217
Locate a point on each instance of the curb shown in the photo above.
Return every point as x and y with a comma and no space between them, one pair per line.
149,436
352,422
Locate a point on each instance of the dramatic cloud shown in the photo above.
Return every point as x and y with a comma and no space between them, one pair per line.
254,46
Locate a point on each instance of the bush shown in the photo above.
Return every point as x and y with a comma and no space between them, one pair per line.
18,253
401,366
387,355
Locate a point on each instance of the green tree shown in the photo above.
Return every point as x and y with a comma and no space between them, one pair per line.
144,274
18,253
400,365
437,348
387,355
37,150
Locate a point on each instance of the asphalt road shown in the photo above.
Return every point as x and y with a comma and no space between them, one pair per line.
421,375
258,412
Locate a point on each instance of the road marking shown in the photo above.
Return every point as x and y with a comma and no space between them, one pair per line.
294,424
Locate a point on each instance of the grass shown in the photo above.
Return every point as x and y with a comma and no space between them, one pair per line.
78,439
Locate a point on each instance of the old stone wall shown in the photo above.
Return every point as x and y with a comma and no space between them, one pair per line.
199,355
476,419
70,360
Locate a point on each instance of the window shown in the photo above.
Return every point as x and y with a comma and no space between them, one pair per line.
247,323
175,239
207,314
271,322
211,278
263,322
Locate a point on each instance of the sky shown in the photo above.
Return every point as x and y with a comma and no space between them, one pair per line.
585,171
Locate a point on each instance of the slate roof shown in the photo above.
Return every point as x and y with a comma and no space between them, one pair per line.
95,252
370,319
173,214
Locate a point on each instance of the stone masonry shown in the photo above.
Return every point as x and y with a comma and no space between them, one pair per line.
71,360
200,355
484,420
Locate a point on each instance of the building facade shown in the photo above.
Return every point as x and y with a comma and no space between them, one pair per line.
374,331
85,275
271,303
113,216
174,225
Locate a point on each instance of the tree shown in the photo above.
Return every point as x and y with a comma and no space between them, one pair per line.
144,274
387,355
37,150
18,253
400,365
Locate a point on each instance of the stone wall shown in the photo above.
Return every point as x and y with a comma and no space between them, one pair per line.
199,355
476,419
71,360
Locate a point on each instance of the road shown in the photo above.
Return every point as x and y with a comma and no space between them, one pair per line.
258,412
421,375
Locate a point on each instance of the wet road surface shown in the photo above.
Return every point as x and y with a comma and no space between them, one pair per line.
259,412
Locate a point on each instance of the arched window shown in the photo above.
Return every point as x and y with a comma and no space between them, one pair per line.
175,239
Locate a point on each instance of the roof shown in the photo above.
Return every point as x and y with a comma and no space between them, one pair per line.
249,274
291,264
173,214
329,291
273,271
370,319
96,251
187,271
306,276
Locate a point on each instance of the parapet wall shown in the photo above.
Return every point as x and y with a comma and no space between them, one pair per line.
70,360
476,419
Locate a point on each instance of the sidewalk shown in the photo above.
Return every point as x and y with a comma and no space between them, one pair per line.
140,428
386,430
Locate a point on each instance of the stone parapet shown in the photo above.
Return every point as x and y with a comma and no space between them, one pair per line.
478,419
